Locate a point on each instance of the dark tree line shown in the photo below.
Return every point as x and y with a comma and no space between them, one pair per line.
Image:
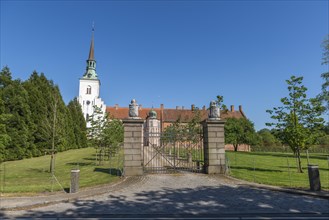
34,117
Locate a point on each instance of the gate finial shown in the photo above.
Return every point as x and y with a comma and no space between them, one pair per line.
133,109
214,111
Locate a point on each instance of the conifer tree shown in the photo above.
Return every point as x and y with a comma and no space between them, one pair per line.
19,126
34,118
79,123
39,91
4,137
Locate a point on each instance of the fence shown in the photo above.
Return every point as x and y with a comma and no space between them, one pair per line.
276,168
286,149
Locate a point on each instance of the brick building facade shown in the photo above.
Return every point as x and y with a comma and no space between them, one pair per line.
166,117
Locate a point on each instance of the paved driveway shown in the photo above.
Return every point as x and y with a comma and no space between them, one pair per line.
184,195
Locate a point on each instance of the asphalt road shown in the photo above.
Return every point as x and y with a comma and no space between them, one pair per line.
184,195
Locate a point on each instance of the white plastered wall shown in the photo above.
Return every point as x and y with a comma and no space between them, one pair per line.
87,101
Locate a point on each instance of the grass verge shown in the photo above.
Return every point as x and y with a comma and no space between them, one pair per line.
33,176
277,169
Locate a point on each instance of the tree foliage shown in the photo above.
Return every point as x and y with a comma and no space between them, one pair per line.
78,123
267,138
184,131
298,120
239,131
104,133
325,46
27,118
220,102
18,127
324,95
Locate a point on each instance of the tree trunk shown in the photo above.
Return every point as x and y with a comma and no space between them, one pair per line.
52,162
308,157
51,167
235,147
299,164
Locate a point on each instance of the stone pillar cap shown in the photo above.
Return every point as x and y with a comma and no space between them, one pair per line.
75,171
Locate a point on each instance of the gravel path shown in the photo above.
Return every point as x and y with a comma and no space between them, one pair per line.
184,195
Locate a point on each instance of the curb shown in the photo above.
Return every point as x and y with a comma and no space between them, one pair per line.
60,197
89,192
318,194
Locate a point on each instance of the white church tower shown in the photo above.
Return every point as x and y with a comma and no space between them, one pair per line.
89,86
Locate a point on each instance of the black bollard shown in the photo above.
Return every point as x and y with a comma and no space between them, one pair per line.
314,177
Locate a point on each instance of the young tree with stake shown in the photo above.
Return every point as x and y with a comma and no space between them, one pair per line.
298,120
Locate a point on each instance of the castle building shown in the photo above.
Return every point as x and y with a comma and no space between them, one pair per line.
89,86
156,119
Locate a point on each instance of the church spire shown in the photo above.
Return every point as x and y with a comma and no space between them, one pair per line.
91,62
91,51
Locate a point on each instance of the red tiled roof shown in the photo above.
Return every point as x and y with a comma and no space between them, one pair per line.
170,115
122,113
185,115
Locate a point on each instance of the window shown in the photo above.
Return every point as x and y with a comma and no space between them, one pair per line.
88,90
87,117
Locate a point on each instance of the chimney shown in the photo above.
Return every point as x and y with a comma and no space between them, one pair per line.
204,107
161,106
116,106
183,107
192,107
140,106
240,108
232,108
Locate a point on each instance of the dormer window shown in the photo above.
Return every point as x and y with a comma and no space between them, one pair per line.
88,90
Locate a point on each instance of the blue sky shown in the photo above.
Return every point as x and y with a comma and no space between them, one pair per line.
173,52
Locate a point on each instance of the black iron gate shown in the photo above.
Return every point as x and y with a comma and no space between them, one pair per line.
169,153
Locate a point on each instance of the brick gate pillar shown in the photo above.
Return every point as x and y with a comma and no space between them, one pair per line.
214,146
133,146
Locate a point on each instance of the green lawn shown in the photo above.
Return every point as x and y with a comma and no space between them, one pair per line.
32,175
276,168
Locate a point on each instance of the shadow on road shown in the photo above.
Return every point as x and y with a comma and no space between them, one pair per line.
206,201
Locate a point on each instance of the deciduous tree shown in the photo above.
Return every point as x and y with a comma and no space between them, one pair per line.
324,95
184,131
298,120
105,134
239,131
220,102
267,138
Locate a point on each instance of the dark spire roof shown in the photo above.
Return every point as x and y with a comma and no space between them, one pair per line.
91,62
91,51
